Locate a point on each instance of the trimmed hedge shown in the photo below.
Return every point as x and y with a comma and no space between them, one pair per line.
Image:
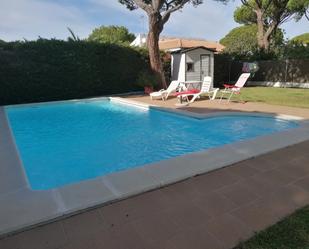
46,70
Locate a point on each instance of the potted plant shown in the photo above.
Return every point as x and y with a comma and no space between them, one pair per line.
147,80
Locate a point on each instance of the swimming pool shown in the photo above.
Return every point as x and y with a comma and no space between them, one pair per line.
67,142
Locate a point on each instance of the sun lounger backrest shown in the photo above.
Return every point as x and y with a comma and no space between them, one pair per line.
173,86
242,80
206,84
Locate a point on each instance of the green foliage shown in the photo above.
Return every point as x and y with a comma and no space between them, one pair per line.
46,70
166,4
241,43
297,47
147,78
166,65
304,38
294,97
244,15
295,50
73,37
279,11
301,7
111,34
269,15
290,233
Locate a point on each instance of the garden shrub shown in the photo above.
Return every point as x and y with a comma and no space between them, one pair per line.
46,70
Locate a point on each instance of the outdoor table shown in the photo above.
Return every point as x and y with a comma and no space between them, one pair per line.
189,85
192,84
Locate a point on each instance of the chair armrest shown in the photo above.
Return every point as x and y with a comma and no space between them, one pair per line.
228,86
181,87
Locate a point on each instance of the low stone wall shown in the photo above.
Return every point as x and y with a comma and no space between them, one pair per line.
278,84
275,73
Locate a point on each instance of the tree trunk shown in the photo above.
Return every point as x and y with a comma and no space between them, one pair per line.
260,33
155,28
268,34
266,44
264,35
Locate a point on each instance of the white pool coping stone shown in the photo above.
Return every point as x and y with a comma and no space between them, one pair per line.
21,207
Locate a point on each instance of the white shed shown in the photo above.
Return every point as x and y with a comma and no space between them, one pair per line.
192,64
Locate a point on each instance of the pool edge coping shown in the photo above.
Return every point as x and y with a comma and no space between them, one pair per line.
121,185
203,115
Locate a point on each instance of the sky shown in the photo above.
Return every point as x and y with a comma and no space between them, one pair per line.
29,19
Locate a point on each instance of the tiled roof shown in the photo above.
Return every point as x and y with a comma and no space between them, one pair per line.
172,43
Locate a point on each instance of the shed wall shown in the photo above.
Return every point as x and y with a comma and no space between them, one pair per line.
179,65
194,56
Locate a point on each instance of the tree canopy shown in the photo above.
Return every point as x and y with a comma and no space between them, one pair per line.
303,38
301,7
111,34
162,5
268,15
242,43
278,11
241,40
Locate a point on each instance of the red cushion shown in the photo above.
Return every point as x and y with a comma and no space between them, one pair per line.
193,91
228,86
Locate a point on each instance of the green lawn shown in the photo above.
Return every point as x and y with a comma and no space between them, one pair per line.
290,233
276,96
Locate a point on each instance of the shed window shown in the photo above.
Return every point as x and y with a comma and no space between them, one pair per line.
190,67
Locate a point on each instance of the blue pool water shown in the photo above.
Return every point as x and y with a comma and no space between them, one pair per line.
69,142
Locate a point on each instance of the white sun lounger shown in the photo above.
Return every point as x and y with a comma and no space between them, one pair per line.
235,89
164,93
206,89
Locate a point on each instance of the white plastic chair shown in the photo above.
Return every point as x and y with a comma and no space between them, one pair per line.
206,89
235,89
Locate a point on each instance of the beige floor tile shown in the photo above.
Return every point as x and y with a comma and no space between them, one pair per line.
239,194
229,230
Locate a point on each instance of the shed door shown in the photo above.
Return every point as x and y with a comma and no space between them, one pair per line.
205,65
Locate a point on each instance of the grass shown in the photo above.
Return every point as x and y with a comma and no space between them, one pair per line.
290,233
277,96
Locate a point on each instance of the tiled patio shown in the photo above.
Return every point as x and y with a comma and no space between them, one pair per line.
211,211
206,106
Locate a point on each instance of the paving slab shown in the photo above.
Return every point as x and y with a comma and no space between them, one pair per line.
84,195
197,237
207,211
239,194
215,204
84,225
130,182
9,160
25,208
229,230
